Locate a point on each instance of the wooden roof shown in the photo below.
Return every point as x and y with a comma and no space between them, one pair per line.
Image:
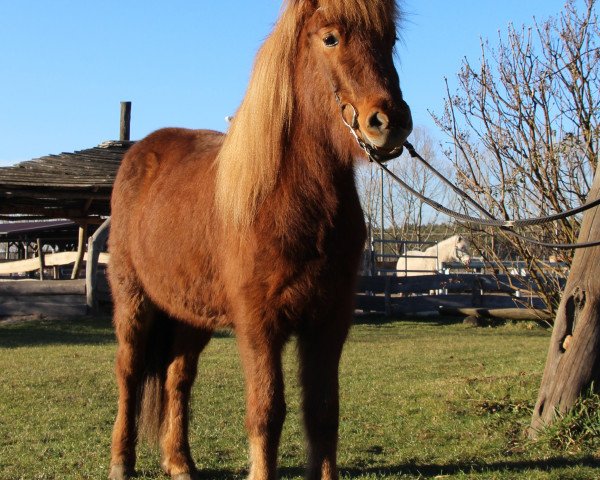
57,231
75,185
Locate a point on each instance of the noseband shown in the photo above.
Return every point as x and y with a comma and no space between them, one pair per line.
373,153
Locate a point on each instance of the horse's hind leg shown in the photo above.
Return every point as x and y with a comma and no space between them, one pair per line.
132,320
187,344
320,348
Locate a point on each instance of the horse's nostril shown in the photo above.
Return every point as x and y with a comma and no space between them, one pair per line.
378,121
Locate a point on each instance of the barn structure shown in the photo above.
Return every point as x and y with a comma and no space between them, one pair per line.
69,192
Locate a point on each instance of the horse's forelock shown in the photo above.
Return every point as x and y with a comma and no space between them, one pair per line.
380,16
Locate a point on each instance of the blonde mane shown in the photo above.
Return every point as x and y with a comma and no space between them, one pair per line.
249,160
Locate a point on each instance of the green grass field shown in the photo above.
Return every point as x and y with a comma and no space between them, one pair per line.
419,400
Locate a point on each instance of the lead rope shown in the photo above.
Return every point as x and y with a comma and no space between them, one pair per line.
504,225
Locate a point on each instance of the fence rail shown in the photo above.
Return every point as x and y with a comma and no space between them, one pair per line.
49,260
426,294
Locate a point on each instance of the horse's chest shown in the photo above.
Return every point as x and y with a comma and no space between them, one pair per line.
297,274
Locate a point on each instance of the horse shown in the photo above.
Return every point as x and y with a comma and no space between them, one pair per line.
428,262
269,233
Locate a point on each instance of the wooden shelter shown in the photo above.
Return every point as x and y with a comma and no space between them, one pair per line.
76,187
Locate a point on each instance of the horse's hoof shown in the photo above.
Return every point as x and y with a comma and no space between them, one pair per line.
119,472
184,476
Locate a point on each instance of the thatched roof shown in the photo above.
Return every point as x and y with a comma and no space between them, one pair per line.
75,185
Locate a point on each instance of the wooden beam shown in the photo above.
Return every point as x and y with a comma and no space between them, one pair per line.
95,243
498,313
81,242
59,195
40,258
53,305
50,287
125,128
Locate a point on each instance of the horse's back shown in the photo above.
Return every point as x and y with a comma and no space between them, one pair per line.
163,203
415,263
167,151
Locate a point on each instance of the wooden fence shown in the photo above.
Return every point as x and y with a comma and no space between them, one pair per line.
417,295
452,293
57,297
48,297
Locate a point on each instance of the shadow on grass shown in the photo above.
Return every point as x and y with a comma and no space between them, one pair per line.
433,470
82,331
428,470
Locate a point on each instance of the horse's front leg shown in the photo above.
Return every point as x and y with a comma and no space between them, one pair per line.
320,348
188,342
132,320
260,351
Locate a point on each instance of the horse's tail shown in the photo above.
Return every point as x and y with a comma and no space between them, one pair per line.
151,391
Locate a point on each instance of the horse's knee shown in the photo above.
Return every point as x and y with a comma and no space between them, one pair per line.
266,420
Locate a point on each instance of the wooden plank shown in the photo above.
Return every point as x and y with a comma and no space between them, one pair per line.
45,299
60,305
370,303
430,303
19,266
35,287
51,260
58,195
499,313
375,284
458,282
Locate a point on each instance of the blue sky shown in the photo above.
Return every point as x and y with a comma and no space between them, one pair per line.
65,65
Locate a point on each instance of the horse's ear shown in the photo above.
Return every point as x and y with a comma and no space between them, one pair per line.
459,239
304,3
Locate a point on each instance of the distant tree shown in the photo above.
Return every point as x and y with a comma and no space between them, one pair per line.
404,216
524,126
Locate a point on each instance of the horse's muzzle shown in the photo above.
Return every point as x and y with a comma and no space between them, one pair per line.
386,133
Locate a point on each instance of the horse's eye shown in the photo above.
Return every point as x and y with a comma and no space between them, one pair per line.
331,40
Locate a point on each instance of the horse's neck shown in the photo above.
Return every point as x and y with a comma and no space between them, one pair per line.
446,250
312,184
313,164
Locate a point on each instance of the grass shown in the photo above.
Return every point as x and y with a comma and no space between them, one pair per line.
419,400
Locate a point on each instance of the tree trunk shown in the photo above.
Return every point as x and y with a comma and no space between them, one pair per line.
573,361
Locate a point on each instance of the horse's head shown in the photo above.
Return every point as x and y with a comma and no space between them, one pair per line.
348,49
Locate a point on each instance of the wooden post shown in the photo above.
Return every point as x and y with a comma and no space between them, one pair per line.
95,244
83,228
41,257
125,129
573,361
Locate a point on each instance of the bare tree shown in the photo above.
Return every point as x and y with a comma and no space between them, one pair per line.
524,130
404,216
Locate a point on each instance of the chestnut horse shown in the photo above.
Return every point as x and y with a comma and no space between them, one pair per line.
259,230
